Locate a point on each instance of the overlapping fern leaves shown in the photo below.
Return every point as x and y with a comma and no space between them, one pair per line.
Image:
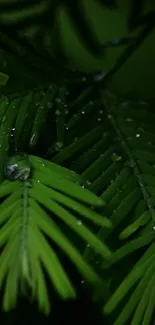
110,144
117,158
33,209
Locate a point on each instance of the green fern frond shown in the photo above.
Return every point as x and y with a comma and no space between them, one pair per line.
25,222
142,226
118,164
23,119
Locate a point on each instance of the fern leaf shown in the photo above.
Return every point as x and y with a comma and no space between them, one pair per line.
119,167
24,222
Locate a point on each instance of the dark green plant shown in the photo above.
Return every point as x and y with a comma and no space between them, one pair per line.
77,157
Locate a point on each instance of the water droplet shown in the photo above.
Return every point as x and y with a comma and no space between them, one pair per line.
125,104
38,181
99,119
99,76
58,100
84,79
79,222
12,133
57,112
83,112
137,135
100,111
109,116
129,119
50,104
58,145
32,138
88,182
116,157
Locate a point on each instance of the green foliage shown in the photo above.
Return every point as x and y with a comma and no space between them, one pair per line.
86,189
119,164
25,219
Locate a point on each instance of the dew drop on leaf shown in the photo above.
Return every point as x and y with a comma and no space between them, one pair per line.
12,133
58,145
57,112
88,182
116,157
125,104
49,104
18,167
137,135
129,119
58,100
32,140
79,222
99,76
